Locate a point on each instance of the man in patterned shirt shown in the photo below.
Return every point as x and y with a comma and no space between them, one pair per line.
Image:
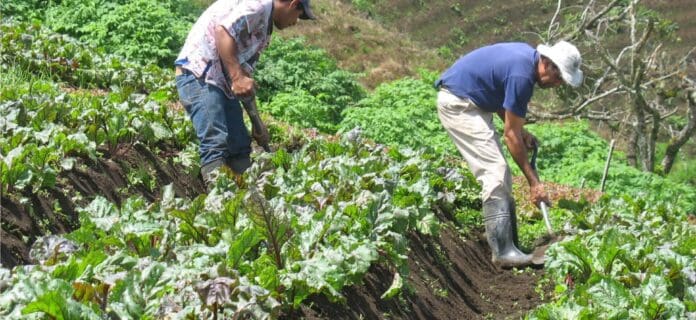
214,71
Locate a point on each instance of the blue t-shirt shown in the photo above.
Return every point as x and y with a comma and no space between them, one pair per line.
494,77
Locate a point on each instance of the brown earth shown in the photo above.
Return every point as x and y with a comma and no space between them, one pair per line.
450,278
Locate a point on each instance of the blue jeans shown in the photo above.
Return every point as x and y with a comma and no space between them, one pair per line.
218,121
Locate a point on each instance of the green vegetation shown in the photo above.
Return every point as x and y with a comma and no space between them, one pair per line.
304,85
629,260
310,218
301,223
571,153
308,222
145,31
303,109
33,49
402,113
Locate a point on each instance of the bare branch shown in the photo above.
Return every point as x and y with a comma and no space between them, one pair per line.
669,114
589,24
553,19
600,116
646,34
588,101
658,79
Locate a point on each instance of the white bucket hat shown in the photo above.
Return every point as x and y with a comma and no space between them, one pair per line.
567,58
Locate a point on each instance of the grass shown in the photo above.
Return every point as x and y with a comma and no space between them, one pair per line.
13,75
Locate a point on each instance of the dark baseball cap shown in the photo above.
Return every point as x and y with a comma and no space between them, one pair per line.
307,14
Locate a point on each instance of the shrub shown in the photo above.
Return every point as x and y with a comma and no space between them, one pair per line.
401,112
303,109
288,65
146,31
142,30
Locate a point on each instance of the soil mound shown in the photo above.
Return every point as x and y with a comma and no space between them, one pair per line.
451,278
27,215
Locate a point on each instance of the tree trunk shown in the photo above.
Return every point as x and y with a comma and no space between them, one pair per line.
638,142
632,151
684,135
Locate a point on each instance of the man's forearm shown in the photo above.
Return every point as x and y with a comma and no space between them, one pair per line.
227,49
518,151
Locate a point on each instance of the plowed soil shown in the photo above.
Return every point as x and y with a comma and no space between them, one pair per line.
451,276
29,214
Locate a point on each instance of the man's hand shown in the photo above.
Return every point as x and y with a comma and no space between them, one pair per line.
518,140
538,195
243,85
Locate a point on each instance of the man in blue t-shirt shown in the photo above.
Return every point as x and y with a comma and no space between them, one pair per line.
500,79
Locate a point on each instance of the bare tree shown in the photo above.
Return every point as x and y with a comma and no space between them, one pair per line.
632,82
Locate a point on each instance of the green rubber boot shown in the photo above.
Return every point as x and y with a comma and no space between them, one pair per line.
498,219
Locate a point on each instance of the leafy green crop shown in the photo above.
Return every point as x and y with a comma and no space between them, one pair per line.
145,31
44,129
309,219
308,222
22,9
631,260
289,65
303,109
402,112
36,50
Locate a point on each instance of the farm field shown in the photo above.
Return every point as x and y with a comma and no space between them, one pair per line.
362,209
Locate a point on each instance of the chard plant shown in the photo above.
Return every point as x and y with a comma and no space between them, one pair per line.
299,224
631,260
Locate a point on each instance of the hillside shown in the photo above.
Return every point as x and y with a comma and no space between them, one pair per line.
363,45
455,27
389,39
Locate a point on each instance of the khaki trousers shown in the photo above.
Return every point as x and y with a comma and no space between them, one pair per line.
472,131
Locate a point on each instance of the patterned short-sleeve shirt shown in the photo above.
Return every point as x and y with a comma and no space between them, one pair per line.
247,21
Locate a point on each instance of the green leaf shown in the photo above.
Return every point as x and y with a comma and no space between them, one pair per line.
612,297
49,303
395,287
610,249
102,213
161,132
428,225
242,244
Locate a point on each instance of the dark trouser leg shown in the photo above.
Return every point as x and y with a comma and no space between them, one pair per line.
219,125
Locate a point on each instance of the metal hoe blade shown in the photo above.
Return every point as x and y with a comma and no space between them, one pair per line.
545,213
543,205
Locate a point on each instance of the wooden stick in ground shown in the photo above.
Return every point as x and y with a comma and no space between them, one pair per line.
606,166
